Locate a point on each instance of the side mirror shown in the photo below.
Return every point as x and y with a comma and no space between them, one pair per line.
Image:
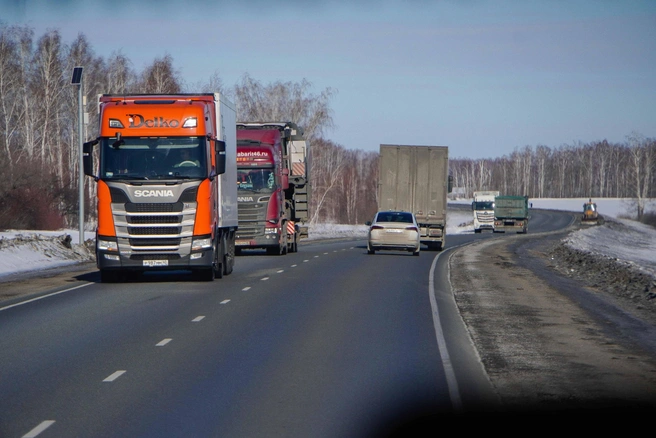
220,151
87,157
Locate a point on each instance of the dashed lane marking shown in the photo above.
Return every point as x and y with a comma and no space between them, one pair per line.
198,318
40,428
163,342
225,301
114,376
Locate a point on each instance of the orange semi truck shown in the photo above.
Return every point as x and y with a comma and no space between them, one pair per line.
167,192
273,188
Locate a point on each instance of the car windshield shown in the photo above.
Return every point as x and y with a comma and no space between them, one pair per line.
153,158
255,181
393,216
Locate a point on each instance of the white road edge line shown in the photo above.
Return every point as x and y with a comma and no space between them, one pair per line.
163,342
114,376
44,296
452,383
40,428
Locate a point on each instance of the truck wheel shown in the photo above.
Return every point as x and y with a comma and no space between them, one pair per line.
219,260
229,261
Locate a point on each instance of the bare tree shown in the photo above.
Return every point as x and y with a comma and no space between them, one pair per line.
328,163
284,101
10,108
161,77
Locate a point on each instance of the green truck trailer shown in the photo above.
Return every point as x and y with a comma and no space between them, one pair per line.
511,214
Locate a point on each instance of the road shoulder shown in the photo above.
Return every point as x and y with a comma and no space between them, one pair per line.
540,348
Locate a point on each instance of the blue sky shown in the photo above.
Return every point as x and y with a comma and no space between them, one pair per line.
483,77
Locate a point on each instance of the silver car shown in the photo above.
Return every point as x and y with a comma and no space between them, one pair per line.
393,230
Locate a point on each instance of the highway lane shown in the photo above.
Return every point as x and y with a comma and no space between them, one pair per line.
326,342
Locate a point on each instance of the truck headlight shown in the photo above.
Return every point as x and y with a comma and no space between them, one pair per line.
107,245
203,243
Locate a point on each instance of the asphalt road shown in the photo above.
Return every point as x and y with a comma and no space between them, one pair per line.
325,342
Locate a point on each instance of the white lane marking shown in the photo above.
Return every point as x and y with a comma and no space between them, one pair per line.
114,376
452,383
246,288
325,253
40,428
198,318
293,266
44,296
264,279
225,301
305,261
316,257
280,271
163,342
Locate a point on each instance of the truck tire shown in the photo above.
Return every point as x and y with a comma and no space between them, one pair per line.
219,258
229,261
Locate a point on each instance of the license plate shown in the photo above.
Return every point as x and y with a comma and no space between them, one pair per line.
393,230
242,242
154,263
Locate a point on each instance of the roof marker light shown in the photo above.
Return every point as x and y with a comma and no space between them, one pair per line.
191,122
115,123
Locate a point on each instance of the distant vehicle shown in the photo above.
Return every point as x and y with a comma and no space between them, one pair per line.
483,208
394,231
511,213
590,213
416,179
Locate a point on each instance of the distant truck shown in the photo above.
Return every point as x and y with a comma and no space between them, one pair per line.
273,186
483,208
416,179
167,184
511,214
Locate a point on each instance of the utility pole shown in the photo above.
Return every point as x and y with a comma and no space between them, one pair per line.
77,80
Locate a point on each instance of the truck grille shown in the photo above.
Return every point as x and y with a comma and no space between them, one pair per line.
251,216
155,242
153,231
175,207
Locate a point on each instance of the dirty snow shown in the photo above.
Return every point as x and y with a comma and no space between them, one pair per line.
627,240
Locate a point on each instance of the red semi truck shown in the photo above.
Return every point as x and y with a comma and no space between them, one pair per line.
273,188
167,192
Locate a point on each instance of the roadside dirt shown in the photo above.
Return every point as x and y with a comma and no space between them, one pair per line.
548,342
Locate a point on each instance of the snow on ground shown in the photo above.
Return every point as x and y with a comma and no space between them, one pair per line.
624,239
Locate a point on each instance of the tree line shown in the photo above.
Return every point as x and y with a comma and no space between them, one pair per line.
39,138
582,170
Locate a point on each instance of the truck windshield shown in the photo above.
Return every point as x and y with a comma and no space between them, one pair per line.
484,205
255,181
153,158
